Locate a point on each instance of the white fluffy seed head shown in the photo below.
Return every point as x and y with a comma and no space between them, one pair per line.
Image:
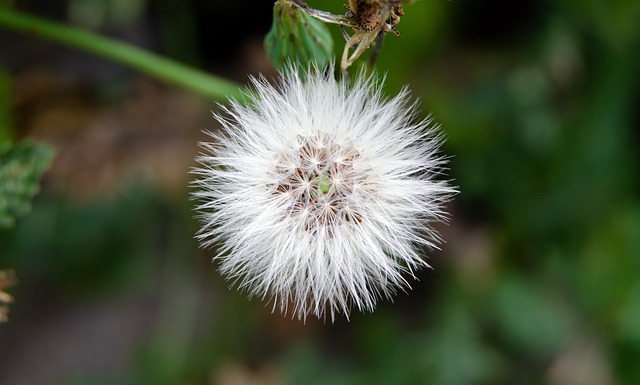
318,194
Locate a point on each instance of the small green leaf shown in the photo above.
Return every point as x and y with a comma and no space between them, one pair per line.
21,167
296,37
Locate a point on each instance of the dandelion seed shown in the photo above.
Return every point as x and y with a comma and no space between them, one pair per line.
319,194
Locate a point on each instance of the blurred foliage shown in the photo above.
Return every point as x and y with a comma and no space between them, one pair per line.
21,165
538,282
20,169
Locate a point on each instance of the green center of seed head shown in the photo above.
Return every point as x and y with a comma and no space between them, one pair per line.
324,184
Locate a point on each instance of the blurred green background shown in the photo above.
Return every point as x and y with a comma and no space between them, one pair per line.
538,282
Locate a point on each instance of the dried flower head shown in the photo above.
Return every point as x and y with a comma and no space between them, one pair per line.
320,193
370,21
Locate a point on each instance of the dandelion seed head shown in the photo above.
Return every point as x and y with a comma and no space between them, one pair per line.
320,195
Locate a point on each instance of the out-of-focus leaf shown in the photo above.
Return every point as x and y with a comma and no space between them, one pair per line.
608,275
454,351
296,37
629,318
20,169
532,318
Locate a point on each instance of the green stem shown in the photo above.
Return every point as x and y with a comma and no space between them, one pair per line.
6,132
137,58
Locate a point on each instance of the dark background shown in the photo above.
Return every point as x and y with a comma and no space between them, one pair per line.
537,283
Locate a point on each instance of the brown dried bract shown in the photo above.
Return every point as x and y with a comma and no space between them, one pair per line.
370,20
374,15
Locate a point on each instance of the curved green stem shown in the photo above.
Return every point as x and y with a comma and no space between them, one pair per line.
137,58
6,132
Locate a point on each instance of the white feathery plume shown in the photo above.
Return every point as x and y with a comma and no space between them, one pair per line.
320,194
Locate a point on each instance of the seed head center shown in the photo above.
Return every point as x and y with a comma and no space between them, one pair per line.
318,179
